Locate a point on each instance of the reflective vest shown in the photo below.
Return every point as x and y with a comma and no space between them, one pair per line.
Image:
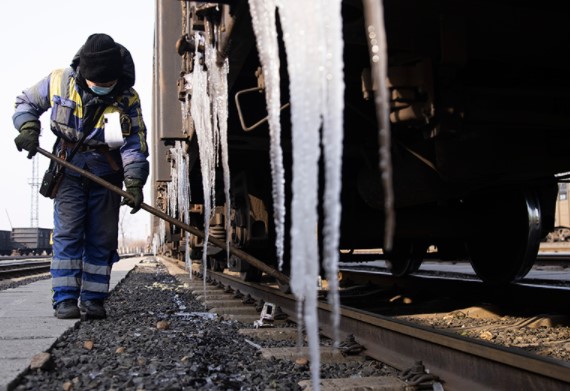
68,111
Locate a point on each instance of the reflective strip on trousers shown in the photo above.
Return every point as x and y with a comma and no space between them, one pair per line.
69,264
58,282
102,270
94,286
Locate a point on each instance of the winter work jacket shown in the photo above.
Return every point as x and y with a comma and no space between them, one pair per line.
72,102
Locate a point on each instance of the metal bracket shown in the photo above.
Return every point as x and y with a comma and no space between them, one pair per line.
240,114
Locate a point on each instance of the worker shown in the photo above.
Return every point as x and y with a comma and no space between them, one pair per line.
96,116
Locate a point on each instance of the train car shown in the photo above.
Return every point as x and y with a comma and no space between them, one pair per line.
31,240
478,119
5,243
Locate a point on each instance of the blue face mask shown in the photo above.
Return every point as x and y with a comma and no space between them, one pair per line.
102,90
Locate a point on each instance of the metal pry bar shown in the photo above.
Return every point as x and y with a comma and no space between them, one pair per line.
193,230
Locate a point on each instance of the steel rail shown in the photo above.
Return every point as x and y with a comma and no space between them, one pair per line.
23,268
461,363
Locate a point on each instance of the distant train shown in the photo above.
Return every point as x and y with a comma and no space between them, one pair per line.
26,241
561,231
480,131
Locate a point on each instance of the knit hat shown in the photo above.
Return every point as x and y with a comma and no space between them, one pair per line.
100,59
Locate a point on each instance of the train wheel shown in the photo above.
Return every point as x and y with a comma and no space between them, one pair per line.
404,259
505,242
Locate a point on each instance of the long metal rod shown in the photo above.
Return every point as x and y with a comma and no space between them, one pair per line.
193,230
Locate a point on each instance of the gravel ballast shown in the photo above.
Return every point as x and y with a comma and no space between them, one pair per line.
159,337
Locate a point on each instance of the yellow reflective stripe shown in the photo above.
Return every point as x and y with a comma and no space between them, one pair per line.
59,84
55,83
141,131
74,96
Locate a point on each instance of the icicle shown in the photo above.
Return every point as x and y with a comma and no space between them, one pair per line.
209,112
374,17
155,244
187,196
223,121
162,232
172,187
218,88
180,191
332,142
201,113
315,92
264,26
187,260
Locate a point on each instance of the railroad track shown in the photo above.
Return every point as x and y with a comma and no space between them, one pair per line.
23,268
460,362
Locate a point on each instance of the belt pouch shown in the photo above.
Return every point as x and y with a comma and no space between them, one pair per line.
51,181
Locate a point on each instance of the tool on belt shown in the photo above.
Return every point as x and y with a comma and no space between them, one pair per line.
193,230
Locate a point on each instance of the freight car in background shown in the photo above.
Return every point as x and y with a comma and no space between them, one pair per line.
31,241
561,231
479,119
5,243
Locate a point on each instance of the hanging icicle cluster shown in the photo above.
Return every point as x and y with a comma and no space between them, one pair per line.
312,33
208,108
218,91
179,188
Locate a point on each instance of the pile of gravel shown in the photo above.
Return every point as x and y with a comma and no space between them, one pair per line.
158,337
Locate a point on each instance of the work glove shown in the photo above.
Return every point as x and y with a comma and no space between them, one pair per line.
134,188
29,138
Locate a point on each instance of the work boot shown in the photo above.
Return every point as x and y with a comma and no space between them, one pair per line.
92,309
67,309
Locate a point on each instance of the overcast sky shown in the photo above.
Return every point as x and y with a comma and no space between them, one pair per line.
37,37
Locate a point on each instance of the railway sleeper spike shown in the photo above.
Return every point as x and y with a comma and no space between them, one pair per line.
349,340
417,375
248,299
349,347
273,272
279,314
417,368
259,305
